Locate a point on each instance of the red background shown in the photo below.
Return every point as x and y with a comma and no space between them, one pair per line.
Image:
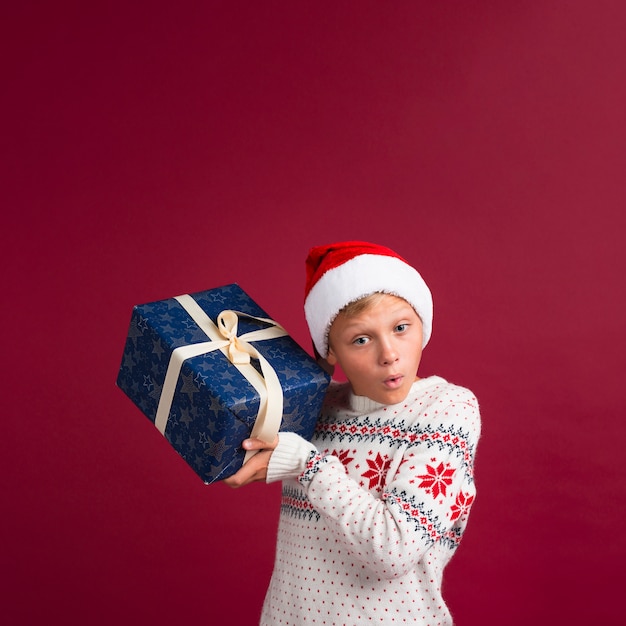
172,147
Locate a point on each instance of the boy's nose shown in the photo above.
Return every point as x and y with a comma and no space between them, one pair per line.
388,353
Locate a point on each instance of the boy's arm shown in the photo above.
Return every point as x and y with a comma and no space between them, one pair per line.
427,500
285,457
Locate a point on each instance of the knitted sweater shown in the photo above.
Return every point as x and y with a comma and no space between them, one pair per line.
373,508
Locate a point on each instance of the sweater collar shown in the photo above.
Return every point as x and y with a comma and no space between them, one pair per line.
363,404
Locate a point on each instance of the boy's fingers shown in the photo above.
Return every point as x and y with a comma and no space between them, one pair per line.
254,470
257,444
242,477
253,444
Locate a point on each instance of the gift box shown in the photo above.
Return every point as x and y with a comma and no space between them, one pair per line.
211,369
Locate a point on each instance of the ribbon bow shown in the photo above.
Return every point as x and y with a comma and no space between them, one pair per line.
227,324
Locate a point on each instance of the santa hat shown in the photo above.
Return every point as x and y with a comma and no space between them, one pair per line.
340,273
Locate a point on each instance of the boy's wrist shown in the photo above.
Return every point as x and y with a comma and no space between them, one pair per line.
290,457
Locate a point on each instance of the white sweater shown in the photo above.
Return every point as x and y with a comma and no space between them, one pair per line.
373,508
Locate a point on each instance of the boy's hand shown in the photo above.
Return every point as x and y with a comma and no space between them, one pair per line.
255,469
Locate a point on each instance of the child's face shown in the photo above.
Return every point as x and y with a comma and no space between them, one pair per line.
378,349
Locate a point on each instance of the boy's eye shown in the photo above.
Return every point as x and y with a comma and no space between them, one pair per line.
400,328
360,341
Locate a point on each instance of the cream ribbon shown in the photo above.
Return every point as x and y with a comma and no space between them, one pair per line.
238,351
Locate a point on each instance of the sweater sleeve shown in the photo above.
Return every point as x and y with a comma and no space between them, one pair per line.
427,499
289,458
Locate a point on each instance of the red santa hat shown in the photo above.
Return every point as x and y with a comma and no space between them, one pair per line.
341,273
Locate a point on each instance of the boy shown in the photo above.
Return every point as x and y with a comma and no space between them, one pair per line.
375,505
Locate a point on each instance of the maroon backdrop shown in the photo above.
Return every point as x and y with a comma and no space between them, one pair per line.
160,149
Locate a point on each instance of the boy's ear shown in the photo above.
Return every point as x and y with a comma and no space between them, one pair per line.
329,368
326,366
331,358
328,363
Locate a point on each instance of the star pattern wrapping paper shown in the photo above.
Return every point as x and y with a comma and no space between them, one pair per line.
214,406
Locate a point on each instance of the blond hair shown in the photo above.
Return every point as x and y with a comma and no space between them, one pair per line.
358,306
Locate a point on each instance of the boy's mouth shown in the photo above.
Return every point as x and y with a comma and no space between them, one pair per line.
393,381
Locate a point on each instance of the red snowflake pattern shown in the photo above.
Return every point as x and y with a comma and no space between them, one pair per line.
437,479
462,506
377,470
342,455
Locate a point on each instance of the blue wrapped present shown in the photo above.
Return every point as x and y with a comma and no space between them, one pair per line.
211,369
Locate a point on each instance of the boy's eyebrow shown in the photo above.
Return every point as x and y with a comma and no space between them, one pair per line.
400,308
397,312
